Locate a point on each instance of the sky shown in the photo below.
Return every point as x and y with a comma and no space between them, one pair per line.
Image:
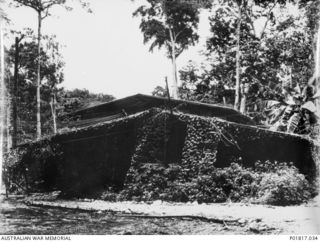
104,50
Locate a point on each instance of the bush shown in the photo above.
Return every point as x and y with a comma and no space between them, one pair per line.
267,183
286,186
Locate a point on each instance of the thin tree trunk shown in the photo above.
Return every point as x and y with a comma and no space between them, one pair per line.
15,95
175,93
9,122
238,55
224,100
7,113
175,79
2,98
243,103
53,112
39,78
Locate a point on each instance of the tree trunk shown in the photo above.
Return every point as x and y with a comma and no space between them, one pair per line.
15,96
224,101
2,100
243,103
238,55
39,78
175,93
8,122
53,112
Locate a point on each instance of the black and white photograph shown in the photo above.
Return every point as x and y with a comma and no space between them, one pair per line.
159,117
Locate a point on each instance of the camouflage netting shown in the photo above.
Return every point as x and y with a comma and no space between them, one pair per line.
119,153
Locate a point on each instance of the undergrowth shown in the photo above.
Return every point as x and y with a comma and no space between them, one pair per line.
266,183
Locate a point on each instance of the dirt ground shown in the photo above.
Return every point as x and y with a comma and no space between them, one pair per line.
185,218
17,218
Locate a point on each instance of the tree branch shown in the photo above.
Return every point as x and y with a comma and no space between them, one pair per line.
249,18
231,12
28,4
268,19
50,4
176,36
46,14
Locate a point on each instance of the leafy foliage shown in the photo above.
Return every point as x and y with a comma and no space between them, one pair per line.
162,17
282,51
42,9
196,178
73,100
160,92
52,66
296,114
282,185
52,73
171,24
45,6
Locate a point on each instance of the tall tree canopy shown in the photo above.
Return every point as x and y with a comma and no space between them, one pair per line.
171,24
51,73
52,69
280,49
42,8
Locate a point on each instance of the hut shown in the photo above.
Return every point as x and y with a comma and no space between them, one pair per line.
104,141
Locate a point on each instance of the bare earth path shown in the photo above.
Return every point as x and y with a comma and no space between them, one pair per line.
17,218
243,218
